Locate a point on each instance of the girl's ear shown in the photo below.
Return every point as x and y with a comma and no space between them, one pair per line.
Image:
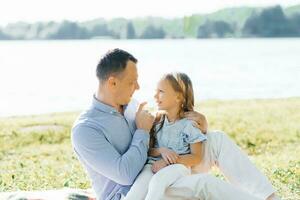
178,97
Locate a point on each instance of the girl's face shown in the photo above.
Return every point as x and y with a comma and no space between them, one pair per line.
166,97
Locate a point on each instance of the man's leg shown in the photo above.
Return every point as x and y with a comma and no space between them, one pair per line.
207,187
221,151
138,190
164,178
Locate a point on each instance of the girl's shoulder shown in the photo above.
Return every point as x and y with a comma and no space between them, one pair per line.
186,122
191,133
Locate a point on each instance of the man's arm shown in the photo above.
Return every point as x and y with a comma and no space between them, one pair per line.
154,152
94,149
200,120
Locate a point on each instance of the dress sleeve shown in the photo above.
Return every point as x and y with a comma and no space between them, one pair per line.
192,134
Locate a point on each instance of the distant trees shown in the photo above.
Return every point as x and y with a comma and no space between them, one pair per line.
69,30
17,30
212,29
100,30
3,36
269,22
295,23
152,32
130,31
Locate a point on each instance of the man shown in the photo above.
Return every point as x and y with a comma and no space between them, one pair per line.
111,142
106,141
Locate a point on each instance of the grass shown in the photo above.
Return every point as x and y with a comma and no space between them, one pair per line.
35,151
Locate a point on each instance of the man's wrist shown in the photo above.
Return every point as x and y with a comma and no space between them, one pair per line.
164,162
144,129
160,150
141,133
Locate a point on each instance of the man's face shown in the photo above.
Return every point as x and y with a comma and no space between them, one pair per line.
126,84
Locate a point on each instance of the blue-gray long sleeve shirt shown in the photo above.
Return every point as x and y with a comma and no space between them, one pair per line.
110,148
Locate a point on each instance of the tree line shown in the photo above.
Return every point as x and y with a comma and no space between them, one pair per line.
268,22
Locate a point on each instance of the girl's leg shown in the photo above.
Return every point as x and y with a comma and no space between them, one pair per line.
138,190
221,151
164,178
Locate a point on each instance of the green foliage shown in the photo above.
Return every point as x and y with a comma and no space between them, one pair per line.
218,29
229,22
69,30
3,36
236,17
36,153
130,31
292,10
272,22
151,32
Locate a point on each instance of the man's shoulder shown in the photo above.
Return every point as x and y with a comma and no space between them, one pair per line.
89,118
86,127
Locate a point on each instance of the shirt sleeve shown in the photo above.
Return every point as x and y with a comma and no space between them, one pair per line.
94,149
192,134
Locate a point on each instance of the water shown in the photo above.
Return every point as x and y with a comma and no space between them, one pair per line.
53,76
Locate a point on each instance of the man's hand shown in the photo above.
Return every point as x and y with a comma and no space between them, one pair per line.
158,165
200,120
144,119
169,156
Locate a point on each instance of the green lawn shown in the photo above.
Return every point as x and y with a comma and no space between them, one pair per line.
35,151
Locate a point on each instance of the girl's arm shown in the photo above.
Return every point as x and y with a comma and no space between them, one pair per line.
168,155
194,158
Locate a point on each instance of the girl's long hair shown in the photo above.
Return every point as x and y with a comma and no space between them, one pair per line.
181,84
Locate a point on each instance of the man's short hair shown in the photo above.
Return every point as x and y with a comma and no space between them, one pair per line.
113,63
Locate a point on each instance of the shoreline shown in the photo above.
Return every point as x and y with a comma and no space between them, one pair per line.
205,101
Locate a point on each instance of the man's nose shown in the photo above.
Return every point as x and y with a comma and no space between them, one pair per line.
137,87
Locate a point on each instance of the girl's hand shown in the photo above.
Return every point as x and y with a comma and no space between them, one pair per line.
158,165
200,120
169,156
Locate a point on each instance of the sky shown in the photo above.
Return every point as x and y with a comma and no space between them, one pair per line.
82,10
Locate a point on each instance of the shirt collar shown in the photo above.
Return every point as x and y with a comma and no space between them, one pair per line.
104,107
168,123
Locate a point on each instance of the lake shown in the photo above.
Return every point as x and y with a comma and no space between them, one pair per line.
54,76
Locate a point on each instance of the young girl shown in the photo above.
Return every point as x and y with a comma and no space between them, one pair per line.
173,138
176,146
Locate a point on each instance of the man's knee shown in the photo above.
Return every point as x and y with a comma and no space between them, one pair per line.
217,133
217,137
210,180
206,186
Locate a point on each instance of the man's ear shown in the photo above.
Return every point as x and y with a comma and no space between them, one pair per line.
111,82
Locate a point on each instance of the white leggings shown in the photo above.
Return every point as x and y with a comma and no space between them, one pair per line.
245,181
151,186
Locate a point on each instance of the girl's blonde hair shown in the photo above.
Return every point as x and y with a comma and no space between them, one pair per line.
181,84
